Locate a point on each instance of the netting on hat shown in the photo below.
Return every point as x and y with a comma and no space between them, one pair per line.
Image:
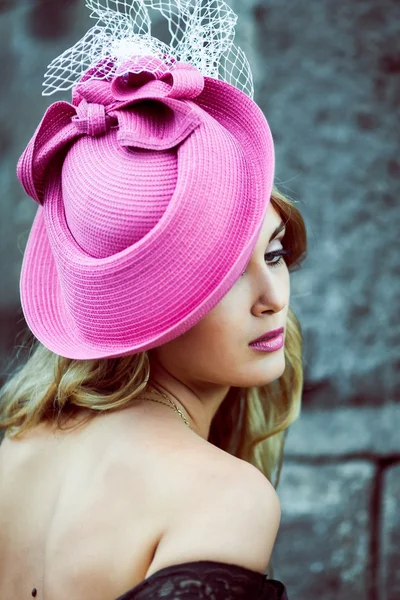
202,34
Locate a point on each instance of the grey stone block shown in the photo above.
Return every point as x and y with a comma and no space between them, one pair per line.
344,431
322,547
390,535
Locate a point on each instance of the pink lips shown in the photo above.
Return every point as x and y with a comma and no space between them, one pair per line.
269,342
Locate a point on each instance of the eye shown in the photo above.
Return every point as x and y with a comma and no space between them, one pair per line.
275,258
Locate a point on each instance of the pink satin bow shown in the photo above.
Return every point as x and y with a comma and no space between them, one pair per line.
148,109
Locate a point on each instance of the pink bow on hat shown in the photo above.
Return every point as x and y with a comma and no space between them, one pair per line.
98,105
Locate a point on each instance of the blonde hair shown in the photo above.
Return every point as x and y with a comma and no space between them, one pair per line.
249,424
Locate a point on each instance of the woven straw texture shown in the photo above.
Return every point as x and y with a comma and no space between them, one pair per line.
152,193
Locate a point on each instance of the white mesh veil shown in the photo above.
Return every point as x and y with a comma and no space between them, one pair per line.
202,33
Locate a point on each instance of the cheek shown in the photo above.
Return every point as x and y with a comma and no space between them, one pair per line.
223,327
287,287
210,347
212,337
283,283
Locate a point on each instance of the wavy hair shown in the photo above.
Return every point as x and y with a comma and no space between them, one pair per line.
250,423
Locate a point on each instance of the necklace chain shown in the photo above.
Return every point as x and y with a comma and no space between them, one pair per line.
171,404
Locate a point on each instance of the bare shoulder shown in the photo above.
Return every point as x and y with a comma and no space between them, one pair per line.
228,511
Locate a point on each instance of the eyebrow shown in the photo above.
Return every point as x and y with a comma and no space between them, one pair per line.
278,230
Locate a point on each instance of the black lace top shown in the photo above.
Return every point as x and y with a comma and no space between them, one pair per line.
207,580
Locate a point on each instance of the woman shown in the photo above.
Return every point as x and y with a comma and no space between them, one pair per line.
156,273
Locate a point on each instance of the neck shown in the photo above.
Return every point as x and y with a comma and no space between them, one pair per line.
198,401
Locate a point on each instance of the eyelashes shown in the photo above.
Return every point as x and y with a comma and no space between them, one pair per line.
275,254
279,254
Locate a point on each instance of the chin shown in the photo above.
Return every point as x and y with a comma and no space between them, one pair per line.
265,372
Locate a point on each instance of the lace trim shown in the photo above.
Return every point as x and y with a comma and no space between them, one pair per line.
207,580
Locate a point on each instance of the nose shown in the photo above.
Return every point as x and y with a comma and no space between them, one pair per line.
271,291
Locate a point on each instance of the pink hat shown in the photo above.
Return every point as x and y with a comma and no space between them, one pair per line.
152,190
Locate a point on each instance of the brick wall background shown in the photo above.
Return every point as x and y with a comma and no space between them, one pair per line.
327,76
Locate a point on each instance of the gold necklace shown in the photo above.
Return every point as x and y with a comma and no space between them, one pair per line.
170,404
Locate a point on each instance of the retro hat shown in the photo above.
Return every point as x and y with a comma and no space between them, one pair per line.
152,188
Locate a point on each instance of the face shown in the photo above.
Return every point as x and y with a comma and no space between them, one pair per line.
216,350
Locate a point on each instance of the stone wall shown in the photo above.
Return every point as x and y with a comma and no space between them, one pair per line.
327,76
339,492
